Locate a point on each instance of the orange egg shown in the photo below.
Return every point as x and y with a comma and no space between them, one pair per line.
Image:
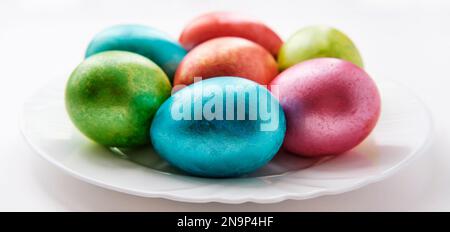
227,56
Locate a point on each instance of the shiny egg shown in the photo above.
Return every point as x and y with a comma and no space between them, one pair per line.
331,105
151,43
111,97
316,42
223,24
219,127
227,56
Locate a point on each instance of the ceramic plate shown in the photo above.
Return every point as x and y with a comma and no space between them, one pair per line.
402,133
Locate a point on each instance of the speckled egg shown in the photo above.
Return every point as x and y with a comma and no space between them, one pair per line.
227,56
315,42
223,24
112,96
331,105
219,127
151,43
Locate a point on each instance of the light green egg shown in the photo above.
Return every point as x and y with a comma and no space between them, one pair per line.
317,41
111,97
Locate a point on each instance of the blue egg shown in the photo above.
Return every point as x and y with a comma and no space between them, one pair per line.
151,43
219,127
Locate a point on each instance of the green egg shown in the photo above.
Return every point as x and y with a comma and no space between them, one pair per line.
111,97
317,41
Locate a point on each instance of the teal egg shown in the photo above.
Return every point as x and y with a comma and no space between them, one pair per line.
219,127
151,43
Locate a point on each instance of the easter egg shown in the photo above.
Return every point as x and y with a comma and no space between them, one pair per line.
112,96
151,43
331,106
227,56
220,127
315,42
223,24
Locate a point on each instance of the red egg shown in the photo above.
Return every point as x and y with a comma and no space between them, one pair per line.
331,106
221,24
227,56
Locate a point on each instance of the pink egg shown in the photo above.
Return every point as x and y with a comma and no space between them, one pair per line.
331,106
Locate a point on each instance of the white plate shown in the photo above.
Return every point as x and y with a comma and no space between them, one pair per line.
402,133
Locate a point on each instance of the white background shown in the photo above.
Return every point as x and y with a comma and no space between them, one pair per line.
407,41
